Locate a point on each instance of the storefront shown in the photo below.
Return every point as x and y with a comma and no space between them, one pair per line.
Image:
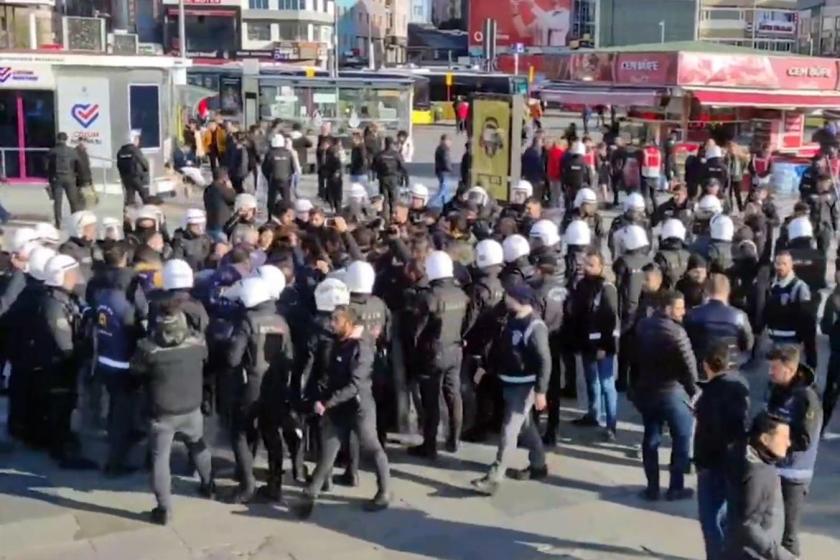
98,98
764,99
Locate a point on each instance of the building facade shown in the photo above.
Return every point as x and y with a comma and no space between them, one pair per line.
373,29
818,33
420,11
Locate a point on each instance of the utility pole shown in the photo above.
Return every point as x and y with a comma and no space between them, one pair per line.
371,61
662,31
334,65
182,29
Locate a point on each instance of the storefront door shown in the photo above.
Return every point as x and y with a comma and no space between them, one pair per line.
27,132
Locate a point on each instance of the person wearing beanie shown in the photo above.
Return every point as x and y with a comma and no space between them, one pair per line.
693,283
525,371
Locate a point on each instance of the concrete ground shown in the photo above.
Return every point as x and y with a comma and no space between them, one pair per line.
588,509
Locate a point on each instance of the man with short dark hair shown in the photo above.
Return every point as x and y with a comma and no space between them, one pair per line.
722,414
62,170
663,392
789,313
793,396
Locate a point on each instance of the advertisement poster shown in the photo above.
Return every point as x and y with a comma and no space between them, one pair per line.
491,146
534,23
757,71
84,113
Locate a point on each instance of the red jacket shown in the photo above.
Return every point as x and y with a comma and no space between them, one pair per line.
462,110
555,163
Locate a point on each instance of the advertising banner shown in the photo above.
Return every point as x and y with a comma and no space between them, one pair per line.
757,71
84,113
645,68
25,76
491,146
534,23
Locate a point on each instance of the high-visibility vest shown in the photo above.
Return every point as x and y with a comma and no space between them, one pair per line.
651,162
761,165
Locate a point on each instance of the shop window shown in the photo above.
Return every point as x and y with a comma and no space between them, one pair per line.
292,31
259,31
144,113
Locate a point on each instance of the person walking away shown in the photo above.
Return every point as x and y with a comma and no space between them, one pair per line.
278,168
333,171
219,198
525,377
669,153
345,403
666,384
84,176
238,161
444,173
793,396
554,172
651,173
536,111
360,163
170,360
62,170
134,170
722,414
752,489
534,167
390,172
440,325
462,114
323,144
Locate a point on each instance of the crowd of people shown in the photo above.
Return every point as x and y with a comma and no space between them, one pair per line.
335,322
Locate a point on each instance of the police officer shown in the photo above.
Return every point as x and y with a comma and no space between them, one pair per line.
634,214
345,403
62,168
586,209
278,168
809,262
576,174
719,249
82,243
629,278
707,207
486,316
520,193
824,211
260,355
170,360
134,170
544,237
715,167
417,207
376,319
789,313
191,243
518,267
178,282
59,347
390,172
441,324
118,306
679,207
717,322
672,256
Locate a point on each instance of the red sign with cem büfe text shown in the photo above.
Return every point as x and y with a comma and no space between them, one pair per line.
757,71
645,69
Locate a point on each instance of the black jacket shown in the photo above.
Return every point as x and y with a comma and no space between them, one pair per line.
84,176
347,381
359,161
218,203
723,417
716,321
62,163
671,366
593,310
443,163
132,165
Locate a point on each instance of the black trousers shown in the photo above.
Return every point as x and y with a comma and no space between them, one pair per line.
132,190
555,383
832,387
61,400
335,192
793,496
322,185
281,188
447,379
244,435
278,428
74,197
391,192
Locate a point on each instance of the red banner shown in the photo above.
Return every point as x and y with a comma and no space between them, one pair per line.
645,69
534,23
757,71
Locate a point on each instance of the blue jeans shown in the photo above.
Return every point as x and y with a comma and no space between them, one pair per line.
671,407
711,506
445,191
600,387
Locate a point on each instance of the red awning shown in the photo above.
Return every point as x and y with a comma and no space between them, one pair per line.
208,12
582,95
759,98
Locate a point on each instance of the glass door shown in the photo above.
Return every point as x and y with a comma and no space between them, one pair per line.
27,132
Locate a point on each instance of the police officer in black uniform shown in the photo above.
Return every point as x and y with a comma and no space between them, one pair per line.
824,211
260,356
390,172
278,168
809,262
672,256
441,324
191,243
629,276
62,169
82,244
789,313
134,170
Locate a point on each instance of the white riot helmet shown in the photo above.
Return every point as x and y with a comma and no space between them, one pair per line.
80,220
546,231
195,216
524,187
112,229
672,228
47,234
578,233
514,247
244,201
713,152
420,191
303,206
177,275
38,259
331,293
57,267
634,201
710,204
578,149
278,141
439,265
477,195
721,228
21,237
585,196
357,192
488,253
150,212
360,277
634,237
253,291
274,278
800,227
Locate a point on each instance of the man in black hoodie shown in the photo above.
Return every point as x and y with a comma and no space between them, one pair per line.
752,489
722,414
171,359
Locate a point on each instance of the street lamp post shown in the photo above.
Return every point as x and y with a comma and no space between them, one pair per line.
662,31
